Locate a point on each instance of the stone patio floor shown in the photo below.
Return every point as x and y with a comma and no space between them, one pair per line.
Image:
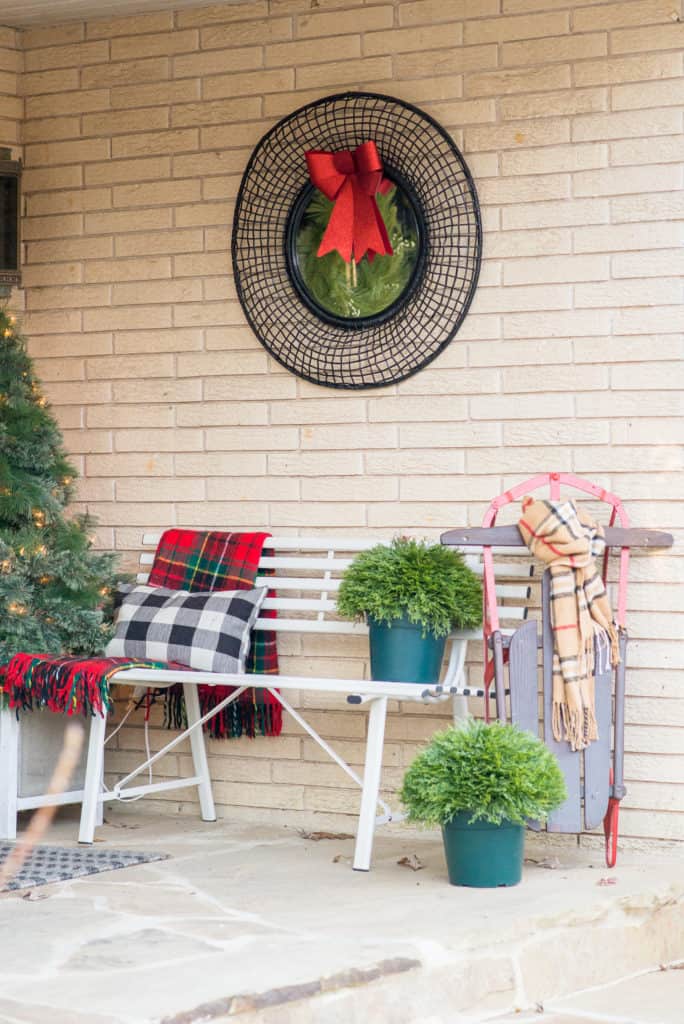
261,925
656,998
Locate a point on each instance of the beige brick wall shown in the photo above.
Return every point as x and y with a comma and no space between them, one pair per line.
570,117
11,104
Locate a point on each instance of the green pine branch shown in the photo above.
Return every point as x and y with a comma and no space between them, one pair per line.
56,591
363,289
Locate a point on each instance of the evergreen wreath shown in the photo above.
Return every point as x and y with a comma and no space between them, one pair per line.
369,348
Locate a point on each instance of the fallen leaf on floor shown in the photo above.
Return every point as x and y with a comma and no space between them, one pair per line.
317,836
33,897
607,881
413,862
552,863
340,858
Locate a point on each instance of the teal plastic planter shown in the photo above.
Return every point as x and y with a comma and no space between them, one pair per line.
401,654
483,855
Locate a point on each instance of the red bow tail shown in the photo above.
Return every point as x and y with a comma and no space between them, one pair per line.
351,181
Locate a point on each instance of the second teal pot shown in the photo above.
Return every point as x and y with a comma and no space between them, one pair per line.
400,653
483,855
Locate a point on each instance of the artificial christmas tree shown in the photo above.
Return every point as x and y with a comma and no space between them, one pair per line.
55,591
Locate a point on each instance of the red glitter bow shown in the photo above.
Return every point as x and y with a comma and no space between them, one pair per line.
351,181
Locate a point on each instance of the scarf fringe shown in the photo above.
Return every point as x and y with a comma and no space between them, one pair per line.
576,726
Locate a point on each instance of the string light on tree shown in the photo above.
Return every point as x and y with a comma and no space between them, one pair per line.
55,588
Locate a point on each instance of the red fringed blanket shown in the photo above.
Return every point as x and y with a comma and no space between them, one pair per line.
184,560
72,686
193,560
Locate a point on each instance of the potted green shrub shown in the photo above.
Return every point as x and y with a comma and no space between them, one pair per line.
412,594
481,783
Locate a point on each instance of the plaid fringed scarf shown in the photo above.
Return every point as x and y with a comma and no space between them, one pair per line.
568,541
202,561
71,686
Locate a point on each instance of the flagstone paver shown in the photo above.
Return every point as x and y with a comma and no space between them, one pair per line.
656,998
653,998
259,925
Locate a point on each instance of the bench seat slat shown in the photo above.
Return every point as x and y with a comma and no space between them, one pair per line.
374,688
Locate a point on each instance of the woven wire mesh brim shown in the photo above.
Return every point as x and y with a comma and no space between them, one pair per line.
357,355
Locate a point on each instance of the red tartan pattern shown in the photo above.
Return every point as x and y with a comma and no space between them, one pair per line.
217,560
185,560
195,560
71,686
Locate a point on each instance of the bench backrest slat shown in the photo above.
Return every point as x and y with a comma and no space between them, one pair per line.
308,573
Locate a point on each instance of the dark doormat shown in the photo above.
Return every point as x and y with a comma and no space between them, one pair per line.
48,864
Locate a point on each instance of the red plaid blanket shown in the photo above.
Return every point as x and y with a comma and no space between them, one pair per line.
71,686
194,560
184,560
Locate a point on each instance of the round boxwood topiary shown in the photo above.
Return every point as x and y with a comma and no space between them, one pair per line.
427,583
496,772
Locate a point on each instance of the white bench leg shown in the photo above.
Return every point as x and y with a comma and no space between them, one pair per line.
199,753
91,808
9,773
99,812
371,784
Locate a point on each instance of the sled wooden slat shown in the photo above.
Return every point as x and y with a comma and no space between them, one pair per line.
496,536
568,817
523,678
597,755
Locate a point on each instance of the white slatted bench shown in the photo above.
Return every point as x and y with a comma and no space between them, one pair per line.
307,576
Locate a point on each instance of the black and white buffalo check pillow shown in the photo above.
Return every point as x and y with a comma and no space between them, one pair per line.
207,631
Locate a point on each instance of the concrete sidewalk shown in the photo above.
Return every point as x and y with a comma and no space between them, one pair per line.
260,925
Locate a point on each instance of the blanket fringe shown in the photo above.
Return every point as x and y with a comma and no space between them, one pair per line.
73,688
239,718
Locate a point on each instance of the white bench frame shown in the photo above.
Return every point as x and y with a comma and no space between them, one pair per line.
326,557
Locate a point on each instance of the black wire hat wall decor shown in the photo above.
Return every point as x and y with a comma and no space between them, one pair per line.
322,308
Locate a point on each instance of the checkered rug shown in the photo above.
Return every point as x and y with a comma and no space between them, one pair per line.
48,864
